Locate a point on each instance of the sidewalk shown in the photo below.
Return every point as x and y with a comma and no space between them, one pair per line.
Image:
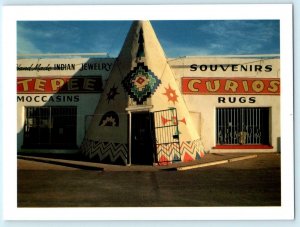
208,160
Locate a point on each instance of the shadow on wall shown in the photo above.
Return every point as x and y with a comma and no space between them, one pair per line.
56,106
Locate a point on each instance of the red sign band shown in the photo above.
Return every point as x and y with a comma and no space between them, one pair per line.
237,86
59,85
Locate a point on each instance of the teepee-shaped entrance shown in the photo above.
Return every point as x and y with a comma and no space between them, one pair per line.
141,117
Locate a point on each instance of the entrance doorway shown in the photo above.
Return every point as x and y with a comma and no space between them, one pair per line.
142,138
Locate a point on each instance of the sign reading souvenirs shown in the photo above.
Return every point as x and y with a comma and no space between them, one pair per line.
50,85
225,86
232,67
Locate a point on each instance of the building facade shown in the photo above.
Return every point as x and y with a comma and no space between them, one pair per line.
234,101
55,98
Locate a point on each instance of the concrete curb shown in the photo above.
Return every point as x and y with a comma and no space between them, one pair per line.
109,168
242,158
215,163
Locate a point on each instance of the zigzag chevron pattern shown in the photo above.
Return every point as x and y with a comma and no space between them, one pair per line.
167,152
191,150
92,148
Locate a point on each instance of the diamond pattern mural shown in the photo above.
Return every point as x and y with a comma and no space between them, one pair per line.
140,83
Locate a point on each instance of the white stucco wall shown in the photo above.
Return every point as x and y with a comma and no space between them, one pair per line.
205,104
206,107
72,67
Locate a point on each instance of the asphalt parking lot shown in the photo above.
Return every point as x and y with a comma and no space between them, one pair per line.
249,182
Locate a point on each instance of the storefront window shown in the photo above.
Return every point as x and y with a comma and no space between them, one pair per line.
50,127
242,126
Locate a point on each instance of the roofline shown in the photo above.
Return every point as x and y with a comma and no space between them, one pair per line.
235,56
64,54
104,54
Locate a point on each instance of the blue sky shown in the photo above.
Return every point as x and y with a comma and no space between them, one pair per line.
178,38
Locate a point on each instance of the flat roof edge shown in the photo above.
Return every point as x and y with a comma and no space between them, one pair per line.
235,56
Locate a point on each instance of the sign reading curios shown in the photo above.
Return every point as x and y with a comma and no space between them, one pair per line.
217,86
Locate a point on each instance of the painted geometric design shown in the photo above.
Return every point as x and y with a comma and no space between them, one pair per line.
167,153
141,52
103,150
163,160
110,118
173,120
113,91
191,150
171,94
187,158
140,83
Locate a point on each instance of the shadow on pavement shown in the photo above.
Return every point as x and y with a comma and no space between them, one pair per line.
61,162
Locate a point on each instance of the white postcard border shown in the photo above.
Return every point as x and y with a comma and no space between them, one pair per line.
12,14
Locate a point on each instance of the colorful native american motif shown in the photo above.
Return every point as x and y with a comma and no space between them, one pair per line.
168,153
140,83
191,150
110,118
171,94
188,151
108,136
111,152
141,51
173,121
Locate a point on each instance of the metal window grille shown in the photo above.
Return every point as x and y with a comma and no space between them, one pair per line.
242,126
167,133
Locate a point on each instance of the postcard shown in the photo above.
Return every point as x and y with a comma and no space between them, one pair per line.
173,112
